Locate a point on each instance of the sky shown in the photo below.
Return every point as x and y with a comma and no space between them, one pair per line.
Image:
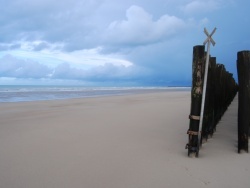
116,42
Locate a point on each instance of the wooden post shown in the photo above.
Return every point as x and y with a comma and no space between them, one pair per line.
196,97
243,67
212,96
208,105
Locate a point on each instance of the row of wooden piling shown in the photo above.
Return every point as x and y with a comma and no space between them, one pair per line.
221,89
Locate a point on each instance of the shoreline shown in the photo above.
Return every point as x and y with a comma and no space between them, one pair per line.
50,93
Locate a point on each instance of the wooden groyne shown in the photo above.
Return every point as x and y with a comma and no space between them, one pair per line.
221,89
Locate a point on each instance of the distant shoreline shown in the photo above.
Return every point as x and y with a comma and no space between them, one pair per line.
22,93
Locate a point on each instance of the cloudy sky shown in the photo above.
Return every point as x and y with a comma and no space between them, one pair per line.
116,42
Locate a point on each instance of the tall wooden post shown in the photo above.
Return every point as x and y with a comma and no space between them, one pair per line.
212,96
243,67
196,97
207,107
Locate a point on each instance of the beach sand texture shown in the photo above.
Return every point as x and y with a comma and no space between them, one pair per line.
132,141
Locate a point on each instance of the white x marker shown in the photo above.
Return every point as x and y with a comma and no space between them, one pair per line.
209,37
207,41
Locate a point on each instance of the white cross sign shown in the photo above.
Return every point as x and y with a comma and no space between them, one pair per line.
207,41
209,36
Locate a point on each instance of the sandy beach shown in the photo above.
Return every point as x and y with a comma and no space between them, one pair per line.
132,141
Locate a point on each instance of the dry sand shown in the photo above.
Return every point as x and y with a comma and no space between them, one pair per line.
134,141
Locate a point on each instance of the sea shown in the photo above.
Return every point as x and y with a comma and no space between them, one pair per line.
21,93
